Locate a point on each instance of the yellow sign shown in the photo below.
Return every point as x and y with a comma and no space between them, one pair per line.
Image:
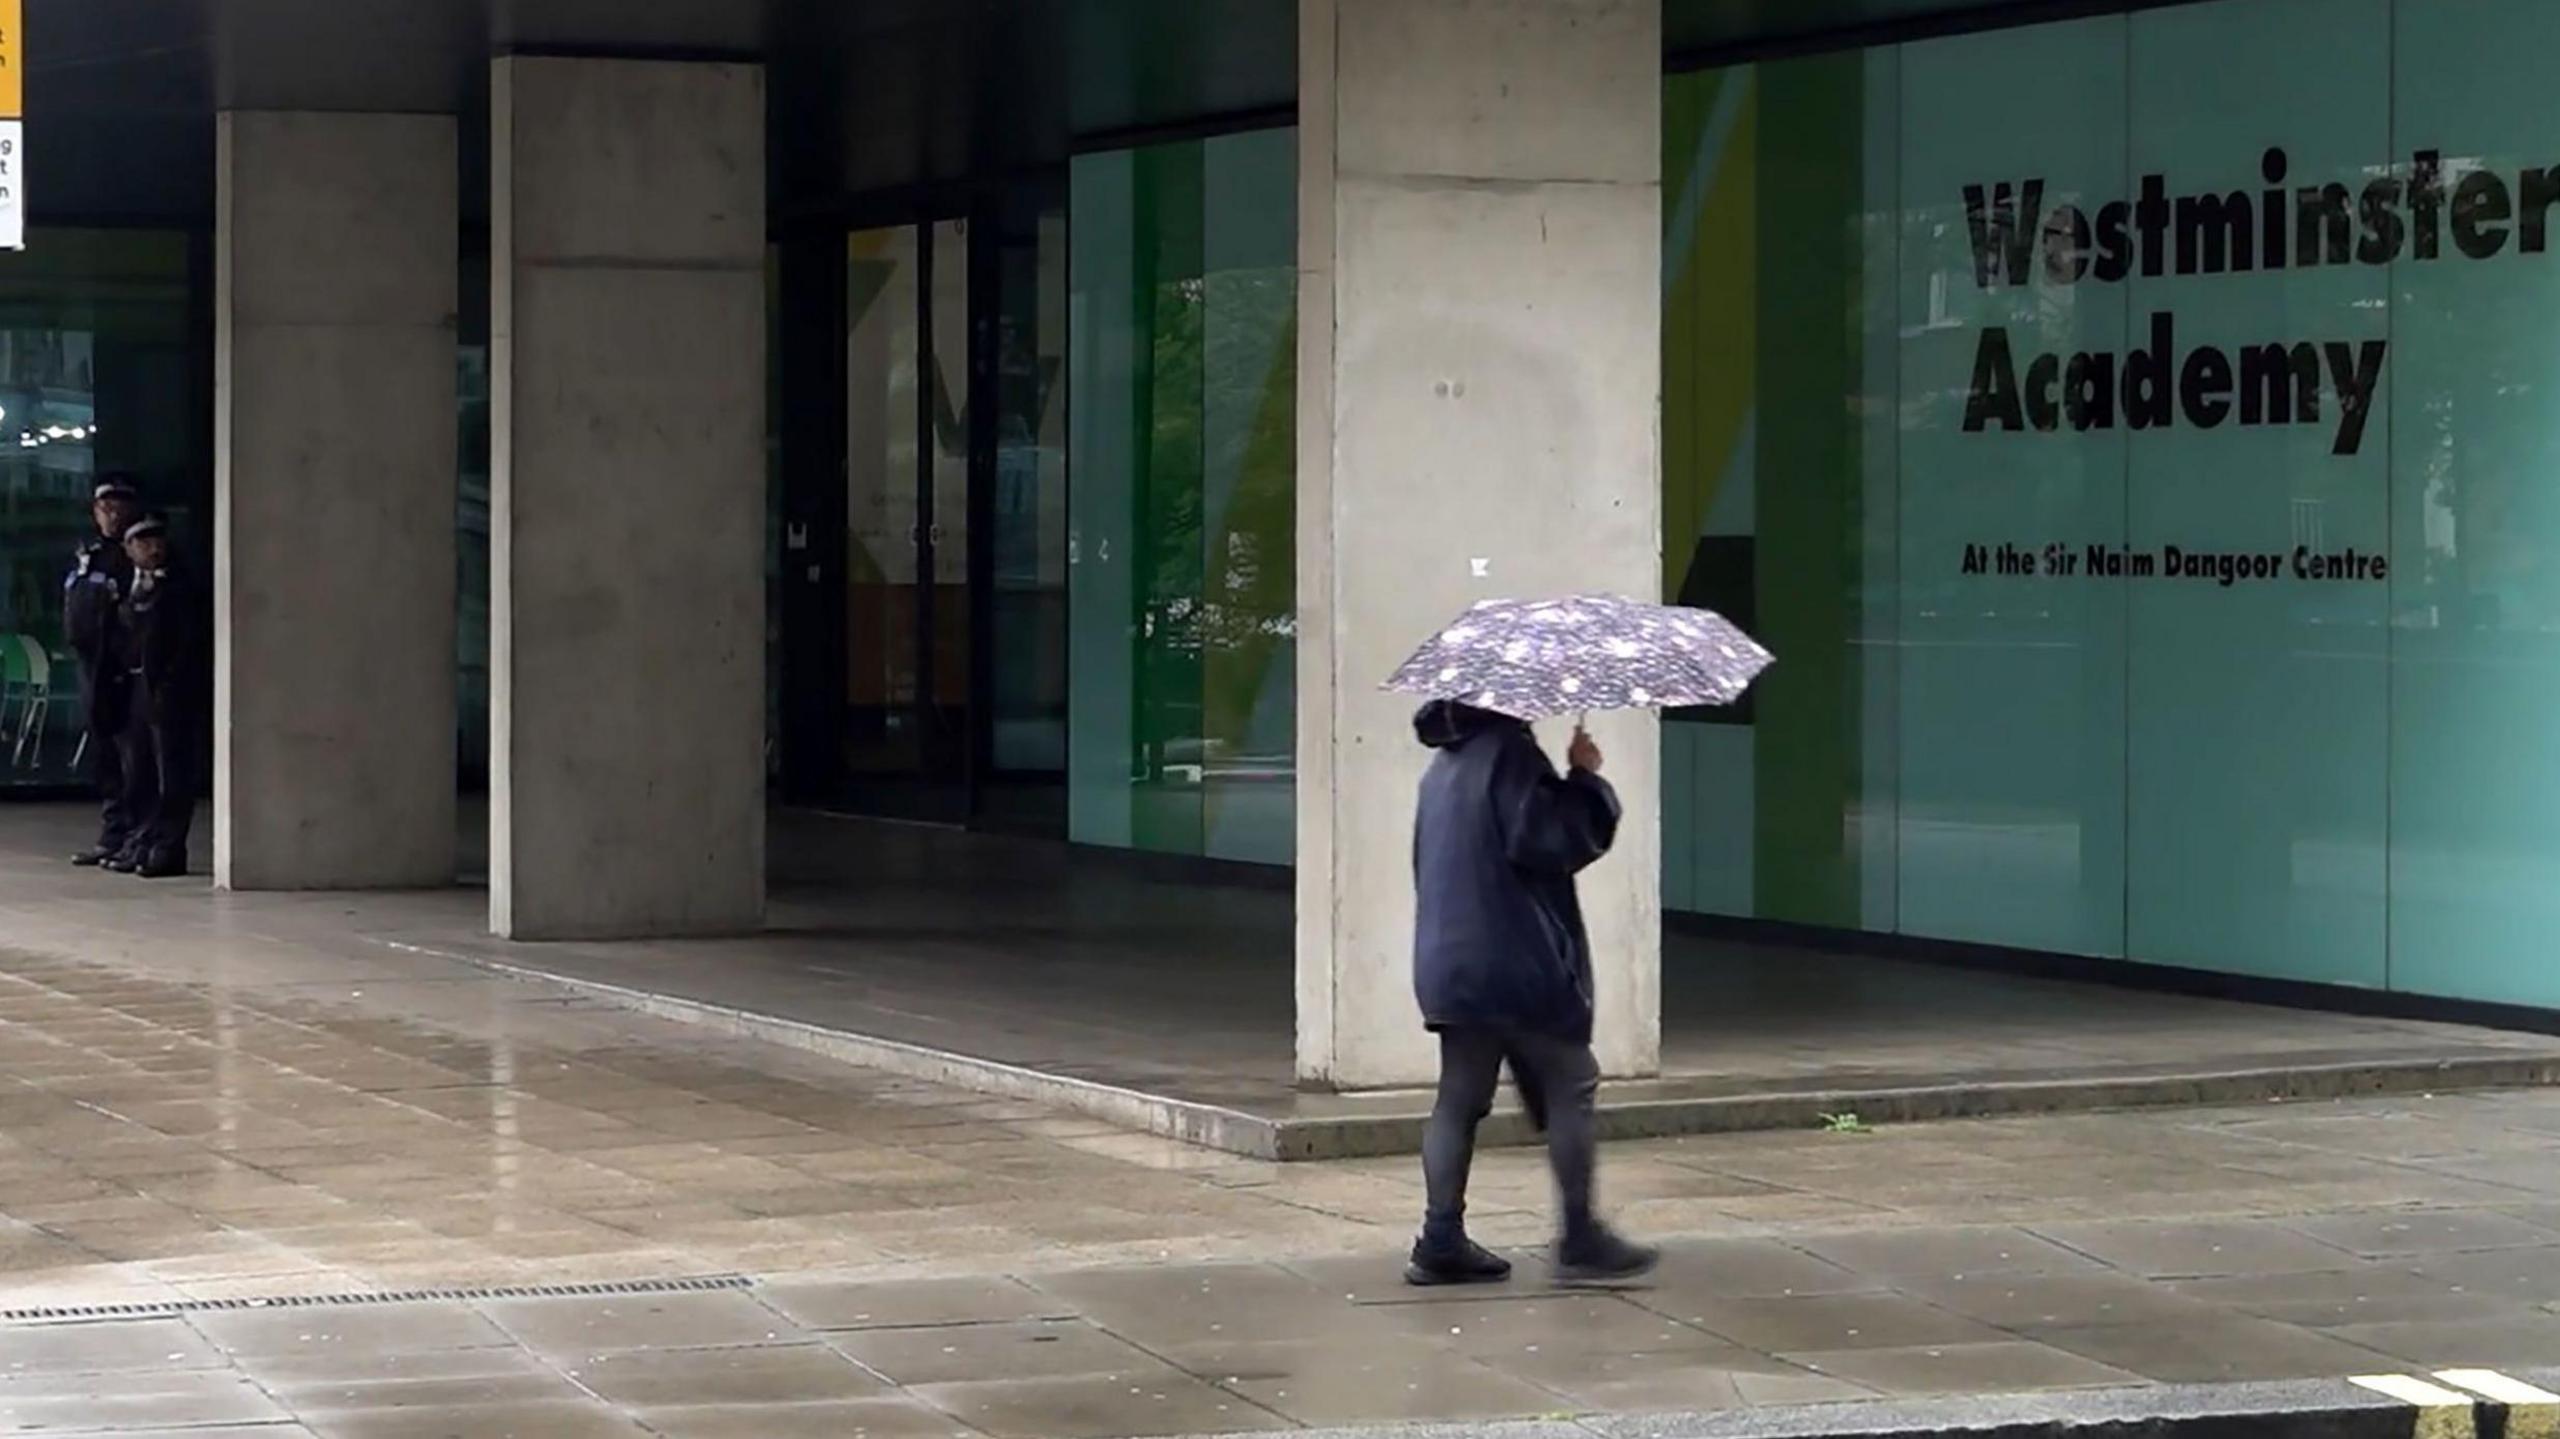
13,61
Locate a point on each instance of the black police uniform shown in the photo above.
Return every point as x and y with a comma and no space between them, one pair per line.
93,595
163,627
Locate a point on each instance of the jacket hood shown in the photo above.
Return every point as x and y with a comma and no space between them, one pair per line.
1446,724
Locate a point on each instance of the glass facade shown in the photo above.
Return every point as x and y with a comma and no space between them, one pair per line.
2131,434
919,594
99,371
2148,500
1181,542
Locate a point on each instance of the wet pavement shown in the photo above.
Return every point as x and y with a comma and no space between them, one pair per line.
247,1113
1173,998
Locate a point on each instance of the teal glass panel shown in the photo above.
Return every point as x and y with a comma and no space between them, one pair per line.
2475,508
1182,517
1248,532
2256,709
1875,810
2012,695
1103,363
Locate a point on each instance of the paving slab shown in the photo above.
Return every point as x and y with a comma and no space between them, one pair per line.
1327,1381
854,1419
956,1353
700,1233
914,1303
1099,1407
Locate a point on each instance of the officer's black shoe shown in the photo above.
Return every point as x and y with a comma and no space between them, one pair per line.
123,861
1458,1261
165,864
93,857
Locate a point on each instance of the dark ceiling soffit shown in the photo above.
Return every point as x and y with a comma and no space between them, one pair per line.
675,54
2008,15
901,204
1232,122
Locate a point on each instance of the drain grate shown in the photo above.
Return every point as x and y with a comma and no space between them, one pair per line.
169,1309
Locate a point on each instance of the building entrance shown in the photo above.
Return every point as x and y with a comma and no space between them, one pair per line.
924,513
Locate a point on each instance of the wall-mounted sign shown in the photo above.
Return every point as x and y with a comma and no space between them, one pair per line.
13,126
2215,233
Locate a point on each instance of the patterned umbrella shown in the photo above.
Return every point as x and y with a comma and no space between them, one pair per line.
1532,659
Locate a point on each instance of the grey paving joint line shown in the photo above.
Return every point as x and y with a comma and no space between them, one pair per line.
2443,1404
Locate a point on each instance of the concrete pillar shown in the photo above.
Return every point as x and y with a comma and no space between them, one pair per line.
1479,375
627,507
334,452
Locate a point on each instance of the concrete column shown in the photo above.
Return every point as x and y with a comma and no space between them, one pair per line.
627,506
1479,375
334,454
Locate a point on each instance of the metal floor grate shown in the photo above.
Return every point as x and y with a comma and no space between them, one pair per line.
169,1309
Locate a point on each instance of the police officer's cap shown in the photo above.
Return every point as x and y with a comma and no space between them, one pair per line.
115,487
146,527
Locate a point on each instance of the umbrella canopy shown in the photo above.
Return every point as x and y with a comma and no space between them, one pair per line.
1532,659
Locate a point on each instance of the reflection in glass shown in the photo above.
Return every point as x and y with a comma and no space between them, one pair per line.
2475,532
2256,734
1181,542
2013,686
944,595
1027,595
2349,781
882,517
96,374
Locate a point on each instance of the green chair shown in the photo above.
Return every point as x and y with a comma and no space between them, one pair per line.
26,693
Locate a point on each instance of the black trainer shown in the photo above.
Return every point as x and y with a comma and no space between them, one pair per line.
1463,1262
1601,1257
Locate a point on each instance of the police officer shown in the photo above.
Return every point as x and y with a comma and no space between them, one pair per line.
92,596
162,630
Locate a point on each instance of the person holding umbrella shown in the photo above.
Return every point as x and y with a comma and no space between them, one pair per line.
1501,959
1502,970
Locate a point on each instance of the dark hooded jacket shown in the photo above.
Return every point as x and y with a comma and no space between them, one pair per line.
1498,836
91,595
165,638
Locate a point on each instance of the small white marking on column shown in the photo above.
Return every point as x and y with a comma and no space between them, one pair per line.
1480,568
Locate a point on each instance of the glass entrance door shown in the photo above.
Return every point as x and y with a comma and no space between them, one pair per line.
906,715
1020,520
924,542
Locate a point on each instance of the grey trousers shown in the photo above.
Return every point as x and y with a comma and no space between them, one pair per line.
1558,1081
